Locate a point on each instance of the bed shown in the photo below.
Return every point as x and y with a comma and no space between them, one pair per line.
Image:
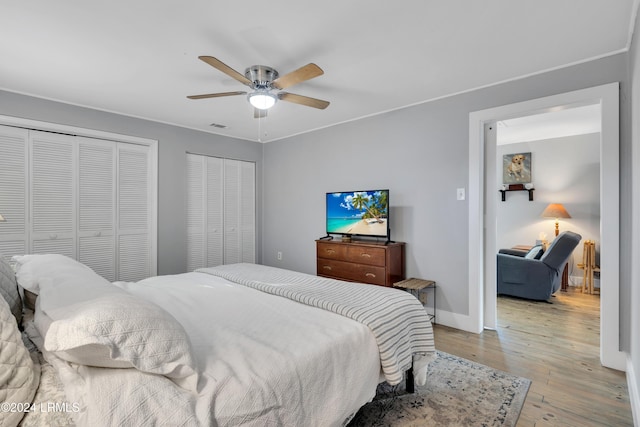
234,345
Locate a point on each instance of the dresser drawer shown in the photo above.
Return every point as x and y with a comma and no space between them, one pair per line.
331,250
366,255
351,271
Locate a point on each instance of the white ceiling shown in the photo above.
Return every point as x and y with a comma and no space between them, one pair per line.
140,58
554,124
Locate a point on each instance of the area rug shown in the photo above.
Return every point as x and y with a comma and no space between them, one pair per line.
458,392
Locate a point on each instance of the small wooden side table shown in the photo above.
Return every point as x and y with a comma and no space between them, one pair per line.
416,288
525,248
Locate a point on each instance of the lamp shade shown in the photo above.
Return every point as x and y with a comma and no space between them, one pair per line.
555,210
1,218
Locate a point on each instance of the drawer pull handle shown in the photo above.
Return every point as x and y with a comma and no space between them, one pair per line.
331,251
326,267
365,255
370,275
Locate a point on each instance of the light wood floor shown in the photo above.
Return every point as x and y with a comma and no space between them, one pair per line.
557,347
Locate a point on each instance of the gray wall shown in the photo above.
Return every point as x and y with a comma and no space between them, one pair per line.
173,143
564,170
421,154
634,143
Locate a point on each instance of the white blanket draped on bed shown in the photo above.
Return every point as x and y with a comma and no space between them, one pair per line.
396,319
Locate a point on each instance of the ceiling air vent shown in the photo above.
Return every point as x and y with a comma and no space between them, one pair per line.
219,126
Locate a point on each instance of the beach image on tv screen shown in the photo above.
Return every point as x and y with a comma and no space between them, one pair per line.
360,212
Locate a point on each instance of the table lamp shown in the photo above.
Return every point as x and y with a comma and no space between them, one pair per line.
555,210
2,218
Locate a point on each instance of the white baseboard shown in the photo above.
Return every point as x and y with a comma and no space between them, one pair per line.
457,321
634,393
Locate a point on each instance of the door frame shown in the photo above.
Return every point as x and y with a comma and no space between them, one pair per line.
482,260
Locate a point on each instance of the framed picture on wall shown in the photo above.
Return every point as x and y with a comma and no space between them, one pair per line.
516,168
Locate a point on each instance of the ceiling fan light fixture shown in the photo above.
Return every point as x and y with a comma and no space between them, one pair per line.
262,100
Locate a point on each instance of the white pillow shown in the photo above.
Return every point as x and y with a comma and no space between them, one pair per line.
534,252
120,330
33,272
85,319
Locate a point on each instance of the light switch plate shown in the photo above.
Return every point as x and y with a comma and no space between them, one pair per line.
460,194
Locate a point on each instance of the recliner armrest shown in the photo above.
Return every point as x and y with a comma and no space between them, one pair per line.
515,269
514,252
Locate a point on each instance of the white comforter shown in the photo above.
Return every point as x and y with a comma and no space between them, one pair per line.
265,360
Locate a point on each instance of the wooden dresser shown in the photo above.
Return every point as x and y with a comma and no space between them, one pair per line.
366,262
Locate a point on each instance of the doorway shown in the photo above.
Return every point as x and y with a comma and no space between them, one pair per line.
562,151
482,222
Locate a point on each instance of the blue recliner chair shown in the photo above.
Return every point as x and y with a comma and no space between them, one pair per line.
536,279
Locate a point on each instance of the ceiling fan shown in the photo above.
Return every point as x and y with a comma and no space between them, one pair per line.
265,81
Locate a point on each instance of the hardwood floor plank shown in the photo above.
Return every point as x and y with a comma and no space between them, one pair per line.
556,346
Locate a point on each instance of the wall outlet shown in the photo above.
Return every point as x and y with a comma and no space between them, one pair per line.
279,255
460,194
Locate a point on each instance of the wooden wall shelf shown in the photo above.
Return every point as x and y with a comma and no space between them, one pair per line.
504,193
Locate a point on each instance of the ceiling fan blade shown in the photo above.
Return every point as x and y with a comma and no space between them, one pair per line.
215,95
300,75
303,100
259,114
216,63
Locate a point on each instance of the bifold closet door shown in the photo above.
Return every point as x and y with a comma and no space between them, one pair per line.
220,211
214,214
13,190
204,211
53,193
86,198
196,242
246,216
239,211
96,206
133,222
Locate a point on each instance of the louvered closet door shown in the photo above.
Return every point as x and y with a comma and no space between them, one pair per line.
247,212
239,211
53,195
204,211
215,226
231,211
220,211
96,206
13,190
133,233
196,215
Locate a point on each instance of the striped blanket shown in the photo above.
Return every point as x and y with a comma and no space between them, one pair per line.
396,318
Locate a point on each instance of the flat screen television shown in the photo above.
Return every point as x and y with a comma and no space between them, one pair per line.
359,213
